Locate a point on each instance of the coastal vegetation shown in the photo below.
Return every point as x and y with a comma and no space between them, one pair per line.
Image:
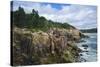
36,40
93,30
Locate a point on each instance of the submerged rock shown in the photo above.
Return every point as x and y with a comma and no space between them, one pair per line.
81,54
85,45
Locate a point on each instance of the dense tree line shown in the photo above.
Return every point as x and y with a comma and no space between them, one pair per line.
93,30
33,20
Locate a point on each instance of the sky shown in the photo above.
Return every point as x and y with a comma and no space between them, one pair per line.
80,16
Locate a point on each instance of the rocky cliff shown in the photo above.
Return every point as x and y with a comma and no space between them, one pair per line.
54,46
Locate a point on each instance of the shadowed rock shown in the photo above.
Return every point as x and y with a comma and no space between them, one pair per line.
85,45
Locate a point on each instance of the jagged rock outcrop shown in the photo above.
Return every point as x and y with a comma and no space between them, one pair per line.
53,46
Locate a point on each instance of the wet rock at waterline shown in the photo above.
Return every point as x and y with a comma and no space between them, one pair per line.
85,45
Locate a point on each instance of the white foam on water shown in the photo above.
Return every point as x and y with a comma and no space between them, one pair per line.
89,54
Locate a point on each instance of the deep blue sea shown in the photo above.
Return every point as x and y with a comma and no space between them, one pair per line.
88,54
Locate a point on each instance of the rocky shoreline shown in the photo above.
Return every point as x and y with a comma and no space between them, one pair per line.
54,46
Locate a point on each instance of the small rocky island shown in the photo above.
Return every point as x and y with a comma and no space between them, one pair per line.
36,40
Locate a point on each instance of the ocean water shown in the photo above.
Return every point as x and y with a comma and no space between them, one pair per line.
89,52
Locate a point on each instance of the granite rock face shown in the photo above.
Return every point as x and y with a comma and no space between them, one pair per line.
54,46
